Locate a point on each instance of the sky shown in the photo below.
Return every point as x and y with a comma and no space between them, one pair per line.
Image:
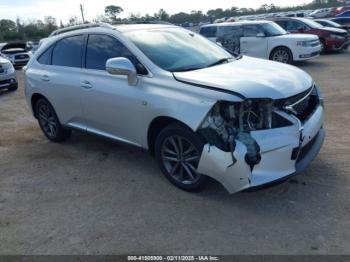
64,9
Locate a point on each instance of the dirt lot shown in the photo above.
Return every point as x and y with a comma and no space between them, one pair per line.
91,196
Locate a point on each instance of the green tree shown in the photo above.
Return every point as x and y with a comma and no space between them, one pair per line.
112,11
162,15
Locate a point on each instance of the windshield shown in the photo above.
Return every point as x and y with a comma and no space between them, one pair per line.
273,29
311,23
177,50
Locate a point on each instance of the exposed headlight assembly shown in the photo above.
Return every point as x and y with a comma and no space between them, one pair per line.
228,120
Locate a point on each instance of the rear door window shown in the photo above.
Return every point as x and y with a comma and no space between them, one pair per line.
295,26
68,52
281,24
45,58
209,31
252,30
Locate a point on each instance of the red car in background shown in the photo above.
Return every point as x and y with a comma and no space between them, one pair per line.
338,10
331,38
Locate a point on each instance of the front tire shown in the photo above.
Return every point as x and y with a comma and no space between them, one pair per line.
49,122
178,150
282,55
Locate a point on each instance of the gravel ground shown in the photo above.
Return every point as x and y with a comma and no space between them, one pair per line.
91,196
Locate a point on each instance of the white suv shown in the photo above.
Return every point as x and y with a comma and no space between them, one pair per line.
263,39
202,112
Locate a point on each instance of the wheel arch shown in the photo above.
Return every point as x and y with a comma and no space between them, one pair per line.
156,126
34,99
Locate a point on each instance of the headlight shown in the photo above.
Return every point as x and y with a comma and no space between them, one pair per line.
303,43
334,36
9,68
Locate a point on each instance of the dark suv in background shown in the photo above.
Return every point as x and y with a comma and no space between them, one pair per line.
331,38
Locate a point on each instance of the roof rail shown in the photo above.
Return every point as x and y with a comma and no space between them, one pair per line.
77,27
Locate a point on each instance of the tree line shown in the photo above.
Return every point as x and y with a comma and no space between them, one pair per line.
35,30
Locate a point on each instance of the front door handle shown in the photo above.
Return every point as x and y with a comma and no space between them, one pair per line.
86,85
45,78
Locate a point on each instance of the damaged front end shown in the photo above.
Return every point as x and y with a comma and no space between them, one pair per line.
251,143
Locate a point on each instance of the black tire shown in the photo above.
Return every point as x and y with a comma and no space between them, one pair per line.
49,122
323,47
282,54
191,148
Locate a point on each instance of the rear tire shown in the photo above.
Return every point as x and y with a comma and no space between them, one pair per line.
282,55
178,150
49,122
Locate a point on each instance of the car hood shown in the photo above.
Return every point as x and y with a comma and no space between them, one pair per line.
334,30
13,46
251,78
298,37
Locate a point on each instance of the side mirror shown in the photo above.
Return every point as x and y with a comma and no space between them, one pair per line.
301,30
260,35
122,66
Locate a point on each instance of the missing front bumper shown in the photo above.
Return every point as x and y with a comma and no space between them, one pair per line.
277,162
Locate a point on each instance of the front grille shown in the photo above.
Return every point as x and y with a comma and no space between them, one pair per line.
4,82
21,56
2,70
301,105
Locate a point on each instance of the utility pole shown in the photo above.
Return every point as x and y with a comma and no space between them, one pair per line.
82,12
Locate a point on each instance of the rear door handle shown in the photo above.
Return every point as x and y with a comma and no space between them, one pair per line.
45,78
86,85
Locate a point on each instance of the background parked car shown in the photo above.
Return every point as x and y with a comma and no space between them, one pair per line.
16,53
263,39
331,38
8,79
344,21
344,14
338,10
330,23
321,13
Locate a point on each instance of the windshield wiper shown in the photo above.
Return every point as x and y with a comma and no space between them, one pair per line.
221,61
186,69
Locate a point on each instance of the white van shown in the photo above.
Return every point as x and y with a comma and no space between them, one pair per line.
263,39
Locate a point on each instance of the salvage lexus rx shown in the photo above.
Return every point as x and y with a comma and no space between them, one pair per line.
202,112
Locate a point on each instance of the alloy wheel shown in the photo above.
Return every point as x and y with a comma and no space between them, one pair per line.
47,120
281,56
180,158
